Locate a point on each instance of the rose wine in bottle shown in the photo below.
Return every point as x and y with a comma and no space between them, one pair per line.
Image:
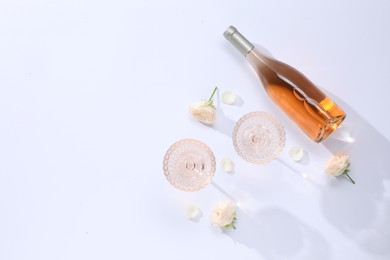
315,113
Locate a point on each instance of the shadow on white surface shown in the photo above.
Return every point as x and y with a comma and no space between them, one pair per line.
361,211
306,158
239,101
288,166
217,187
276,234
223,123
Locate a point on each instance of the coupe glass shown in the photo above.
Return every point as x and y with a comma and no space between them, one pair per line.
258,137
189,165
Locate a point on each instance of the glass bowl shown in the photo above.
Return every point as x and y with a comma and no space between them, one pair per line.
258,137
189,165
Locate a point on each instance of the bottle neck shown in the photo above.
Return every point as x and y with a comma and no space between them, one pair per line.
238,40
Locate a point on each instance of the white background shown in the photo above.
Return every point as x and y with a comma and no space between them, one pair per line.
93,93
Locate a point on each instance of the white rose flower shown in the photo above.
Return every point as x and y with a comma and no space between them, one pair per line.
224,215
228,97
204,111
227,165
338,164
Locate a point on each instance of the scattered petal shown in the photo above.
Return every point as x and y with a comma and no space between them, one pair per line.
192,211
227,165
296,153
228,97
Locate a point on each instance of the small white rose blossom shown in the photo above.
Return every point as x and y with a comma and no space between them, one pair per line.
296,153
192,211
228,97
227,164
204,111
224,215
338,164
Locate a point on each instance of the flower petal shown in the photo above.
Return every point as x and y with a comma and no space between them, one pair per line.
192,211
228,97
227,164
296,153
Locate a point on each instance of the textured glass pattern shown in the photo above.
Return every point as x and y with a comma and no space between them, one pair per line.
189,165
258,137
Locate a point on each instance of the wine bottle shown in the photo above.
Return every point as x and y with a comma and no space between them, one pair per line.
312,110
